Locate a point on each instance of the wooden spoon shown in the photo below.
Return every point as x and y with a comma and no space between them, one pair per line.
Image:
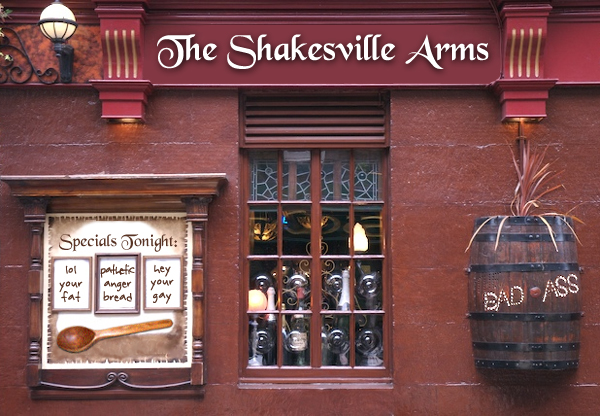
80,338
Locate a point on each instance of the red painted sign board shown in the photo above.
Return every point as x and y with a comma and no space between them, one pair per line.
573,52
322,54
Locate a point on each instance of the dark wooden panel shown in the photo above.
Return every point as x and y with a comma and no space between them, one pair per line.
116,193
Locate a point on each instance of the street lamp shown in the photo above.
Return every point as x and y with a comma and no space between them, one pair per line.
57,23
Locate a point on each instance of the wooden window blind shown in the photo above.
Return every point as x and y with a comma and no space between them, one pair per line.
300,120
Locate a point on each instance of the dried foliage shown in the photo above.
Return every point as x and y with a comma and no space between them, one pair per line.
534,182
534,179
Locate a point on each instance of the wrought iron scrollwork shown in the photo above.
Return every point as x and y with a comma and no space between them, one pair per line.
16,65
332,290
265,341
295,281
369,345
369,340
369,285
115,378
263,281
338,341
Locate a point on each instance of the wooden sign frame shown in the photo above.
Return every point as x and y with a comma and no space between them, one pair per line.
189,194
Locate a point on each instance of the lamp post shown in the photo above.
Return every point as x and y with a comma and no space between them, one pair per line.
57,23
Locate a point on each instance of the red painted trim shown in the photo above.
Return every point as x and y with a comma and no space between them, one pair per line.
563,17
123,99
523,98
174,11
323,18
322,86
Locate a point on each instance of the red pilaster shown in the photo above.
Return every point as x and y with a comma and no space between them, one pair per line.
123,89
523,89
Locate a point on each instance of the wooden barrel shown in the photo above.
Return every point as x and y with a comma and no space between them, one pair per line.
525,295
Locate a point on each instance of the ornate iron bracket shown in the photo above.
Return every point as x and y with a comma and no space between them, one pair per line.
16,65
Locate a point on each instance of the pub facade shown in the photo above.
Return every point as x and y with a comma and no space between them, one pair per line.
266,207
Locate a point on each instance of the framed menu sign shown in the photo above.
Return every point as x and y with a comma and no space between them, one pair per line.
99,326
118,282
120,274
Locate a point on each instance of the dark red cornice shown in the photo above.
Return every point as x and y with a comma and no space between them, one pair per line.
377,11
139,15
265,5
353,17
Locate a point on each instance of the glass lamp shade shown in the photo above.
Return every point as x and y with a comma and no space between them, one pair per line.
57,22
361,242
257,301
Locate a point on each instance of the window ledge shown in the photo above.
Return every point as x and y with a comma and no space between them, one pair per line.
342,384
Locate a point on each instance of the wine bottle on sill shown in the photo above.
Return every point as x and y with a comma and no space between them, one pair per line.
266,335
296,341
337,339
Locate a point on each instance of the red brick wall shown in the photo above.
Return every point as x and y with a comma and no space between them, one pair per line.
449,164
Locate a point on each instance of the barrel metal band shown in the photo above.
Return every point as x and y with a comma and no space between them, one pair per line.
527,365
523,267
526,346
524,238
528,220
525,317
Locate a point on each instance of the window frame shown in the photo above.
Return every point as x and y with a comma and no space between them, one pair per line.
340,375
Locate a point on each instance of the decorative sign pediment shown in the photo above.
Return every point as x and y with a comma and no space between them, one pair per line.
116,193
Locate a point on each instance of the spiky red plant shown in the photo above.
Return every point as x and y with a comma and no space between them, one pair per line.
534,179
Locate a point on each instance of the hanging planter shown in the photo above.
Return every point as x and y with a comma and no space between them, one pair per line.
524,280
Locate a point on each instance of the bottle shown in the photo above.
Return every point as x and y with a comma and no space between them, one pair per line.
297,342
338,339
344,303
266,336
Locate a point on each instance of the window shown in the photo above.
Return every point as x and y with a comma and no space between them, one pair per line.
316,291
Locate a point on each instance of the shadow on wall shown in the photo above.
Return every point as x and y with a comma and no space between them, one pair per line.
528,390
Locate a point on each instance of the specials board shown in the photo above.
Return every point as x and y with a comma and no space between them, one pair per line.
112,270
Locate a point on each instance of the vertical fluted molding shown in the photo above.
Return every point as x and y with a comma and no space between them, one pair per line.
525,29
522,86
197,215
35,216
123,90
